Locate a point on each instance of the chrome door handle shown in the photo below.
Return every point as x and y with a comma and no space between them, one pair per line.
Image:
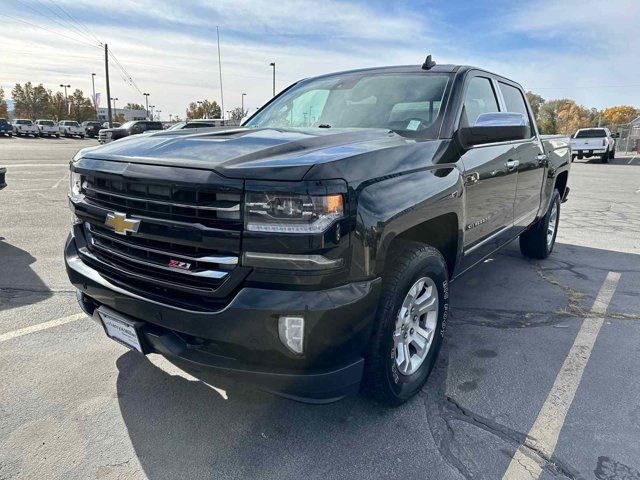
512,165
471,178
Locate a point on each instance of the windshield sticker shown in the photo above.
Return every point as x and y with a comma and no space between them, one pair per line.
413,125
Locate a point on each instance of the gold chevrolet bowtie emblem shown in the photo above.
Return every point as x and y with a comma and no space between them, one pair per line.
121,224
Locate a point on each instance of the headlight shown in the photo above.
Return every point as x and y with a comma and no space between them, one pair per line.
75,184
291,213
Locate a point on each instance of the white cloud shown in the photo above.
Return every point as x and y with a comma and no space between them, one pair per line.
173,55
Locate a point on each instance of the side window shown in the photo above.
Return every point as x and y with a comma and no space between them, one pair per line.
479,98
514,101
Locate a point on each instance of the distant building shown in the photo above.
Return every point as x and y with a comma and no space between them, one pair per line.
126,112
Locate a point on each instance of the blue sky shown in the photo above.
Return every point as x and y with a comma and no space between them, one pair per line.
587,50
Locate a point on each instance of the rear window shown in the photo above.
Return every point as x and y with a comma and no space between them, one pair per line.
3,121
46,122
154,126
594,133
71,124
24,122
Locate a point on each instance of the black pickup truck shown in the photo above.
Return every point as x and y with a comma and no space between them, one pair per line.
133,127
310,251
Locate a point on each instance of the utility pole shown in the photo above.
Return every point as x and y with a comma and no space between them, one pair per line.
203,112
158,112
220,69
146,100
242,107
273,64
93,87
106,71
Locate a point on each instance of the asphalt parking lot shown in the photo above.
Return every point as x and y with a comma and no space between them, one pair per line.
76,405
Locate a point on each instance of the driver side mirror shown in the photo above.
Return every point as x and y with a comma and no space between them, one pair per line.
494,127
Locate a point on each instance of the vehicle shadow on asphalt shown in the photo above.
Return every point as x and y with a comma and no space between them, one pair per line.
19,284
470,418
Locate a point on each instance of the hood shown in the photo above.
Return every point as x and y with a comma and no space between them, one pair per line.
248,153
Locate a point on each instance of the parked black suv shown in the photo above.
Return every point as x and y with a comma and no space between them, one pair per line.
311,251
134,127
92,128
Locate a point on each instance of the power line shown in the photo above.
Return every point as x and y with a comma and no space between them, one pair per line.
38,12
48,30
77,22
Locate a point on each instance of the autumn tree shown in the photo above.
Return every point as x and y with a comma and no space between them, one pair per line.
536,101
30,101
620,115
204,109
572,117
56,108
4,111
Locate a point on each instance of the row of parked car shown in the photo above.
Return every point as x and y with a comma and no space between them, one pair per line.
51,128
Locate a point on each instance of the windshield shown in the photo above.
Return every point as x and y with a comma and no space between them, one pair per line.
595,133
125,125
177,126
408,103
3,121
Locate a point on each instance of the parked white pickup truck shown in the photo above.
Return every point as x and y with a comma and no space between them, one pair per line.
591,142
69,128
23,126
48,128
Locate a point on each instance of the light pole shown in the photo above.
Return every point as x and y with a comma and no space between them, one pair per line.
199,102
152,107
66,102
115,111
242,107
158,112
93,87
170,119
146,101
273,64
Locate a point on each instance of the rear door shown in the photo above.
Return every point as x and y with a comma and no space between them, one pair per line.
490,182
529,154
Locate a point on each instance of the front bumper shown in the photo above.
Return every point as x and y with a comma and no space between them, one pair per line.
241,340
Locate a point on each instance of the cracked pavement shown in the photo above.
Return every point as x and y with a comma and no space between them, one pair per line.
75,405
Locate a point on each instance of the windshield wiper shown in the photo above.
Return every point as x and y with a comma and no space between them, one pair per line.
324,125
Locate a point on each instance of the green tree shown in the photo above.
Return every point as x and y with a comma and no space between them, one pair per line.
56,108
4,111
536,101
134,106
30,101
81,107
205,109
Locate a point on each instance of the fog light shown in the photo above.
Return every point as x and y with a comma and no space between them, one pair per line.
291,331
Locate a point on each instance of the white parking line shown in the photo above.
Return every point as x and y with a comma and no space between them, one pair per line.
545,431
41,326
10,166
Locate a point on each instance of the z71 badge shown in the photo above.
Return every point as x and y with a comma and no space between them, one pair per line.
180,265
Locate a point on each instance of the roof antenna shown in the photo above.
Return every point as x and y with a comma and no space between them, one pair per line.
428,63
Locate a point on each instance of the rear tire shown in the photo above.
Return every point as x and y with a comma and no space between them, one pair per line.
410,324
539,239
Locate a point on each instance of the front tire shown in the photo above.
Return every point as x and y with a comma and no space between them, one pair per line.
539,239
410,324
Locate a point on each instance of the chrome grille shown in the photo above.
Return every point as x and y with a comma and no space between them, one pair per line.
188,241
